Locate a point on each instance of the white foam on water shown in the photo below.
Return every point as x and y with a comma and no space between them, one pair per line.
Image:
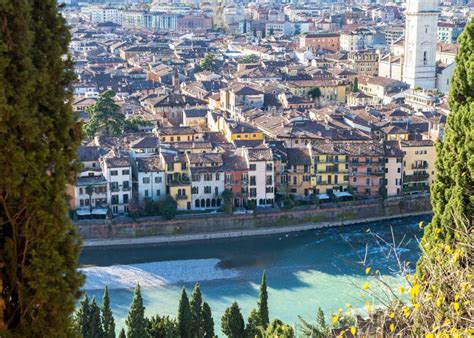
156,274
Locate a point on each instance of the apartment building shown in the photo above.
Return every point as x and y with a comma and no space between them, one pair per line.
418,165
117,170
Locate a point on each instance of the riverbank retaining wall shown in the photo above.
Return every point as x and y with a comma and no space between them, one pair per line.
208,223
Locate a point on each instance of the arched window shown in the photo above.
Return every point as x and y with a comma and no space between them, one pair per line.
203,203
196,203
213,202
208,202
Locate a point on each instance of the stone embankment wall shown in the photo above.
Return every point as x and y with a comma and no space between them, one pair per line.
209,223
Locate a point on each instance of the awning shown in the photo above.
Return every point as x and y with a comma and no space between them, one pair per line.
323,196
83,212
99,212
342,194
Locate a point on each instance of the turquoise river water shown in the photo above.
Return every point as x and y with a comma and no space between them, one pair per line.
304,270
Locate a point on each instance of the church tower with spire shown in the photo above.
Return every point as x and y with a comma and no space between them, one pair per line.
419,67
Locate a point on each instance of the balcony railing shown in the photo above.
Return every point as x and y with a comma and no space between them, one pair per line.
416,178
419,165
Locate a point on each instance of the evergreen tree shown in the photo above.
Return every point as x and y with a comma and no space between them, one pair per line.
162,327
105,118
355,85
196,311
254,325
208,63
315,94
279,329
185,318
136,322
263,302
317,330
207,321
452,194
83,316
232,322
39,136
122,334
108,323
95,324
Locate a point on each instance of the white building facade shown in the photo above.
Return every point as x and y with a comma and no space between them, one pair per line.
420,43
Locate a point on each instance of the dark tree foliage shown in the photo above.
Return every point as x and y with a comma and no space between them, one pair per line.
122,334
232,322
136,322
227,197
94,322
39,136
105,118
355,85
254,325
168,208
162,327
207,321
263,302
83,317
107,317
196,311
185,317
452,194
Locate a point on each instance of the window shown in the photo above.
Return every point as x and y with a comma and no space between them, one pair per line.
157,179
195,190
146,180
269,190
81,203
253,180
126,172
253,192
125,198
269,166
126,185
115,199
81,191
253,167
114,186
269,180
425,58
217,176
113,173
158,192
146,193
207,189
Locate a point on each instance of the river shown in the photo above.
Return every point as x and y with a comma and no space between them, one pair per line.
305,270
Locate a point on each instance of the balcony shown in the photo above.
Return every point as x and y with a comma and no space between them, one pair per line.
321,182
378,173
177,183
419,165
181,197
422,177
114,189
126,188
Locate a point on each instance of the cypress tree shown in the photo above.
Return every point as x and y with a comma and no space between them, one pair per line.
136,322
355,85
83,317
207,321
263,302
122,333
185,318
39,136
108,322
196,311
452,194
232,322
95,324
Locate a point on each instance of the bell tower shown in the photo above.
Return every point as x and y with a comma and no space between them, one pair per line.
419,68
